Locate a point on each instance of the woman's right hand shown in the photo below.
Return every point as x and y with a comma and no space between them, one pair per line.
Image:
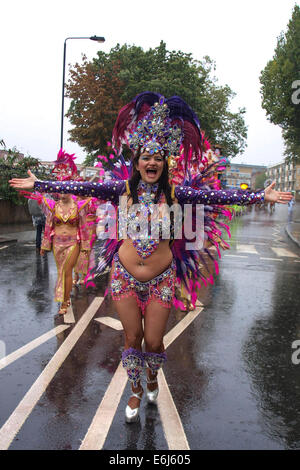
23,183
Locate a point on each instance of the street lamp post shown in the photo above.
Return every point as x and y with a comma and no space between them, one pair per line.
92,38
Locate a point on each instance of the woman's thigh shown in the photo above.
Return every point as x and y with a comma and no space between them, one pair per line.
70,263
155,323
131,318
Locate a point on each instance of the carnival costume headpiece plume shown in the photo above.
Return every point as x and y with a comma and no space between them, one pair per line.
155,124
64,166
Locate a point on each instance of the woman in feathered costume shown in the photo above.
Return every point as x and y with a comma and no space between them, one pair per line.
145,268
66,229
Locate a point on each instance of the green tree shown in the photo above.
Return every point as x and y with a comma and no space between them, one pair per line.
281,86
158,70
259,180
14,165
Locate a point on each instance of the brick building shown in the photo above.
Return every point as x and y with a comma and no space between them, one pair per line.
238,173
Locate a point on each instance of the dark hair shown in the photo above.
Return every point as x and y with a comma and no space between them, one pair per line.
163,182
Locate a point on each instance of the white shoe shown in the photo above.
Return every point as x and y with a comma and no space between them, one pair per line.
132,415
152,396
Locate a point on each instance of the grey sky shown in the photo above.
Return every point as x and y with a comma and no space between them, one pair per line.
240,36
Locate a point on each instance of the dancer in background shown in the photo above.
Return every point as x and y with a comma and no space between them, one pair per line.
146,268
66,230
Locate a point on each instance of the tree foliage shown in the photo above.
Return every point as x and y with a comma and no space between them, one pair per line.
280,80
14,165
98,89
259,180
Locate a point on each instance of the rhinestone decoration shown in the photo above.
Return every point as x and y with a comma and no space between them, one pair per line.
166,294
143,290
116,286
155,134
133,362
155,360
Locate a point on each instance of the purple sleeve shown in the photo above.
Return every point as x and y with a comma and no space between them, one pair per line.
107,191
188,195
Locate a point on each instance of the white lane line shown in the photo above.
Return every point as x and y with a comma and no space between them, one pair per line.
283,252
2,247
296,261
109,321
26,405
181,326
247,249
171,422
99,428
236,256
5,361
271,259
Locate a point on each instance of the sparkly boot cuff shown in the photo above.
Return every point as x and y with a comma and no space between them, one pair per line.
155,360
133,362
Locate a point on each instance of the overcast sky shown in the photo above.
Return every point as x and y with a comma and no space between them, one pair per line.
240,36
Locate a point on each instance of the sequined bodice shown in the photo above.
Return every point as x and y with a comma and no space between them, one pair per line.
70,217
147,225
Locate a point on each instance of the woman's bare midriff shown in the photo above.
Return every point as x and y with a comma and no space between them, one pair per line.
65,230
152,266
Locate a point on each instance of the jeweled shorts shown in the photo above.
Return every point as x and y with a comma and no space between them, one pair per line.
160,288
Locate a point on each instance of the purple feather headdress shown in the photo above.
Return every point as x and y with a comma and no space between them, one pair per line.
158,125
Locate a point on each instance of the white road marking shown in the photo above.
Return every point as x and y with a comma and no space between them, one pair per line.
181,326
171,422
5,361
247,249
26,405
109,321
256,243
271,259
236,256
2,247
283,252
99,428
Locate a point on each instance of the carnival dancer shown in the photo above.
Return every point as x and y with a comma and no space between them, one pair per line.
66,231
145,268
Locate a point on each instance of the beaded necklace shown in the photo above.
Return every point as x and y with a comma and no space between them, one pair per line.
145,245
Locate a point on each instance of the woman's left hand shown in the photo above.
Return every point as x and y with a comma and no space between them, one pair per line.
271,195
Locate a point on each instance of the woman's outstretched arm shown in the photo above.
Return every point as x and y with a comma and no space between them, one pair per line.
187,195
107,191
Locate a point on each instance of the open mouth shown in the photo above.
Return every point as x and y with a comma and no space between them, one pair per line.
151,172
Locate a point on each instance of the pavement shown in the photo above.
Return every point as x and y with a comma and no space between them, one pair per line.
13,233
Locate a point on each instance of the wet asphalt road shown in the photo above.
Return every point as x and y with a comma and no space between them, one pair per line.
230,373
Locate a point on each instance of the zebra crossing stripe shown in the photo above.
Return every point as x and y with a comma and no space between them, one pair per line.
247,249
283,252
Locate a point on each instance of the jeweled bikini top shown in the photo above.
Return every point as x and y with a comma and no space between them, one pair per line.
70,218
141,224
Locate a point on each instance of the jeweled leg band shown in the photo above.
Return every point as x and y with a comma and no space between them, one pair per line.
133,362
155,361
